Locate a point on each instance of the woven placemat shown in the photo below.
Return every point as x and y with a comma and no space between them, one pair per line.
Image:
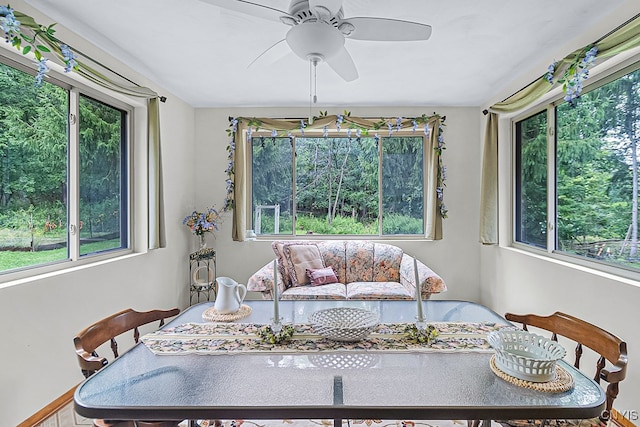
562,382
212,315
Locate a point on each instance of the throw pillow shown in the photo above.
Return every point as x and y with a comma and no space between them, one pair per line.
321,276
300,257
283,264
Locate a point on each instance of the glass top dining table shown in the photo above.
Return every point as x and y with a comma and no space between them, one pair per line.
142,385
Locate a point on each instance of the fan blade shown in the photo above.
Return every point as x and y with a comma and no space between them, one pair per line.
272,54
383,29
343,65
249,8
332,6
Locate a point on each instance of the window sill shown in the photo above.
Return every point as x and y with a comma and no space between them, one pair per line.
65,267
605,271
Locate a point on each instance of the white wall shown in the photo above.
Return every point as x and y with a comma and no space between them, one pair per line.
39,318
517,281
455,257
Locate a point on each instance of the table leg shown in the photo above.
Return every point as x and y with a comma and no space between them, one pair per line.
338,398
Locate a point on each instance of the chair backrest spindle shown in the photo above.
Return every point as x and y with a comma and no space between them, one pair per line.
107,329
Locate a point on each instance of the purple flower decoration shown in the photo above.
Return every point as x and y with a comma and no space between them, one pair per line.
399,123
390,127
551,71
8,22
415,126
573,87
249,133
325,131
42,70
302,126
348,133
69,58
234,124
274,133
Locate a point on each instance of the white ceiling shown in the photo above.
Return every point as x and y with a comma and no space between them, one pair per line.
478,49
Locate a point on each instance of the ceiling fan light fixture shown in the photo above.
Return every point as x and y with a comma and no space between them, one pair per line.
315,39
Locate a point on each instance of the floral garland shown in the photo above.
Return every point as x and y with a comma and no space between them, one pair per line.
354,131
575,74
422,336
27,36
267,334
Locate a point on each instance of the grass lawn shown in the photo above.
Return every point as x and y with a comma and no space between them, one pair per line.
17,259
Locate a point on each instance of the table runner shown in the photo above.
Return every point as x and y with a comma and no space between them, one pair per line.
238,338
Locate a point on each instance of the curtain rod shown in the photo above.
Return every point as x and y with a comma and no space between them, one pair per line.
162,98
486,111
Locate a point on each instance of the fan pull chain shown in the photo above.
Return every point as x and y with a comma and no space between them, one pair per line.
313,85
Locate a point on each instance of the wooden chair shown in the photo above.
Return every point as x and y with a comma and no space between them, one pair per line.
108,329
610,349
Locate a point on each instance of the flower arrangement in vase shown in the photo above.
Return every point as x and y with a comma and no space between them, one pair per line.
201,223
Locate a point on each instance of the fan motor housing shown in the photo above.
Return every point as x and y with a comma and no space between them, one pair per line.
315,39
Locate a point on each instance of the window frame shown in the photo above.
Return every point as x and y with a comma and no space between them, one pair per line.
597,79
75,89
334,133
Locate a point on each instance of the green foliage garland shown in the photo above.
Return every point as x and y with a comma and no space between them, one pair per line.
355,128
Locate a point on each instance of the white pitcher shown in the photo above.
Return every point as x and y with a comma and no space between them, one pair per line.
230,295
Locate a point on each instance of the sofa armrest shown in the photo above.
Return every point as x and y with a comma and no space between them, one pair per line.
262,281
430,282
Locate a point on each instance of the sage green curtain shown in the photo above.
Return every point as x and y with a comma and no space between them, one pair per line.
625,38
157,236
96,72
241,186
489,183
433,226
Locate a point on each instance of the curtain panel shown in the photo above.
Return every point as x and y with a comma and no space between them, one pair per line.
620,40
240,160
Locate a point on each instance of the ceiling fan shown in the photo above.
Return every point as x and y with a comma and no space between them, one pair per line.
319,28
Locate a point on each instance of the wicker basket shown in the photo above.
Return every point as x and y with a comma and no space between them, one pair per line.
343,323
526,356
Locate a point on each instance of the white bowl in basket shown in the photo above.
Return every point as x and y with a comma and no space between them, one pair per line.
525,355
343,323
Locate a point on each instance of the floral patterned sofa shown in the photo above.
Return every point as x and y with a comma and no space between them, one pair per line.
343,269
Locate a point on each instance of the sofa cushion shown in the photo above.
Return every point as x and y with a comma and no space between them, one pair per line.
333,254
300,257
332,291
386,263
378,290
321,276
359,258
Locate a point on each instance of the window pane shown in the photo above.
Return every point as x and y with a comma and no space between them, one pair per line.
336,186
531,180
597,164
102,171
402,185
33,171
272,185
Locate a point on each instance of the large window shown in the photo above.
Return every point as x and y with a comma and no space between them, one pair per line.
63,172
338,185
594,209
